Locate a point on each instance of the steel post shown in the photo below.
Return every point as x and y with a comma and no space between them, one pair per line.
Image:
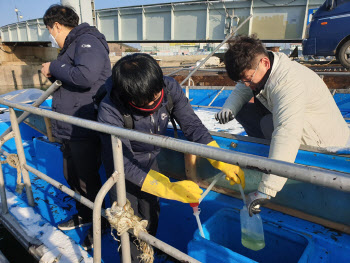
96,216
2,180
121,192
4,208
21,157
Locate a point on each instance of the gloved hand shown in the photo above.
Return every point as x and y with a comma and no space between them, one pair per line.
254,200
224,116
159,185
234,173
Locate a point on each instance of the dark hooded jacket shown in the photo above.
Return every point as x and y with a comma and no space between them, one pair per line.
139,157
83,66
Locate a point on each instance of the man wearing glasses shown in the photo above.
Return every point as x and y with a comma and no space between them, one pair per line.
292,106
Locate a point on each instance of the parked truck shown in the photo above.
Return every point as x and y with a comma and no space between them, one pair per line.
328,33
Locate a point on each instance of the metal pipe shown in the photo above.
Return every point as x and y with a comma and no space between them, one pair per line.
21,157
332,73
210,107
142,235
328,73
4,208
118,161
61,187
331,179
29,243
217,95
96,216
116,178
175,253
37,103
174,72
216,49
3,259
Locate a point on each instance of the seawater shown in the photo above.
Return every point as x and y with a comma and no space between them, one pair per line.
12,249
252,241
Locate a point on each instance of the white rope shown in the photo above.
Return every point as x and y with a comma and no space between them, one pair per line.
122,219
13,161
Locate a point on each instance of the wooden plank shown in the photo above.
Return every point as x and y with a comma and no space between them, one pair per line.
49,129
190,167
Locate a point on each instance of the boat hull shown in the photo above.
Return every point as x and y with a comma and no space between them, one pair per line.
316,203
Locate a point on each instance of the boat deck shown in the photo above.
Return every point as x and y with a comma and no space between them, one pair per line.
177,225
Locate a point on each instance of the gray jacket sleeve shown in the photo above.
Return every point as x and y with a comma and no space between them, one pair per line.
238,97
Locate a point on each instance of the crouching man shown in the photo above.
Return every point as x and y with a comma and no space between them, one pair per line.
292,106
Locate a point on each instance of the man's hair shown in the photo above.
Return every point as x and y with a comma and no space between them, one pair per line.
63,15
137,78
242,54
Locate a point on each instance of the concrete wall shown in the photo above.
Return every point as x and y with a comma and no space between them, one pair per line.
20,65
20,76
29,54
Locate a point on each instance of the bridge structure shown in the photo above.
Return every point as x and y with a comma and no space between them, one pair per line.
194,21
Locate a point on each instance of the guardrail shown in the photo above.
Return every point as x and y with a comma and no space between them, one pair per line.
336,180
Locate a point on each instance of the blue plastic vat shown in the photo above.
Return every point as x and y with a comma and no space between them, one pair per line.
223,242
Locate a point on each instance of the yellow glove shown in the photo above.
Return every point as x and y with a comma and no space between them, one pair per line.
159,185
234,173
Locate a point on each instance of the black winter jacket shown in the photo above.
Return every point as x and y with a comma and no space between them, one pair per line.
138,156
83,66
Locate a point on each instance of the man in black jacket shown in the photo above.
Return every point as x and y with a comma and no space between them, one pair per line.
137,88
83,66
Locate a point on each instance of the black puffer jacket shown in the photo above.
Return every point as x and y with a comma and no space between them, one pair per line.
138,156
83,66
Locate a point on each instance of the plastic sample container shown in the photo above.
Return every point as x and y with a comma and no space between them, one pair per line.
252,230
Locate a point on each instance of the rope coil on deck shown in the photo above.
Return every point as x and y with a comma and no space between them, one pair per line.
122,219
13,161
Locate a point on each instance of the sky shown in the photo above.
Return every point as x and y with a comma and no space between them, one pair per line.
31,9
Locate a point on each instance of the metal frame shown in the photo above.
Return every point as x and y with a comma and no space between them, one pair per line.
293,171
217,18
323,177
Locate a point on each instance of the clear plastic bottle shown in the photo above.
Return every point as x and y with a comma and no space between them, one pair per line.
252,230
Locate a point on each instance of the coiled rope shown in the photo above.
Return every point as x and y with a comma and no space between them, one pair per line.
13,161
122,219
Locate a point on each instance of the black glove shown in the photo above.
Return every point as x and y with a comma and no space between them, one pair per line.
224,116
255,200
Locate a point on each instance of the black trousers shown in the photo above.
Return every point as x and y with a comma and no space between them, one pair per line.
146,206
81,162
256,123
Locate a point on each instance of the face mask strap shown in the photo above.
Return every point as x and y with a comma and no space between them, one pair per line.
53,39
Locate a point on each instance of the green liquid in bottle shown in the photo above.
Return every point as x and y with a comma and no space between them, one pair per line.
252,241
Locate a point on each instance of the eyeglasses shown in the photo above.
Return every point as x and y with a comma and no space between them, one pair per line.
249,82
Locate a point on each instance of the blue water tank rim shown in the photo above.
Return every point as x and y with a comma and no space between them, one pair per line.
303,240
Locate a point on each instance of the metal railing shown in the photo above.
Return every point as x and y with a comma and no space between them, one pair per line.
336,180
118,177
